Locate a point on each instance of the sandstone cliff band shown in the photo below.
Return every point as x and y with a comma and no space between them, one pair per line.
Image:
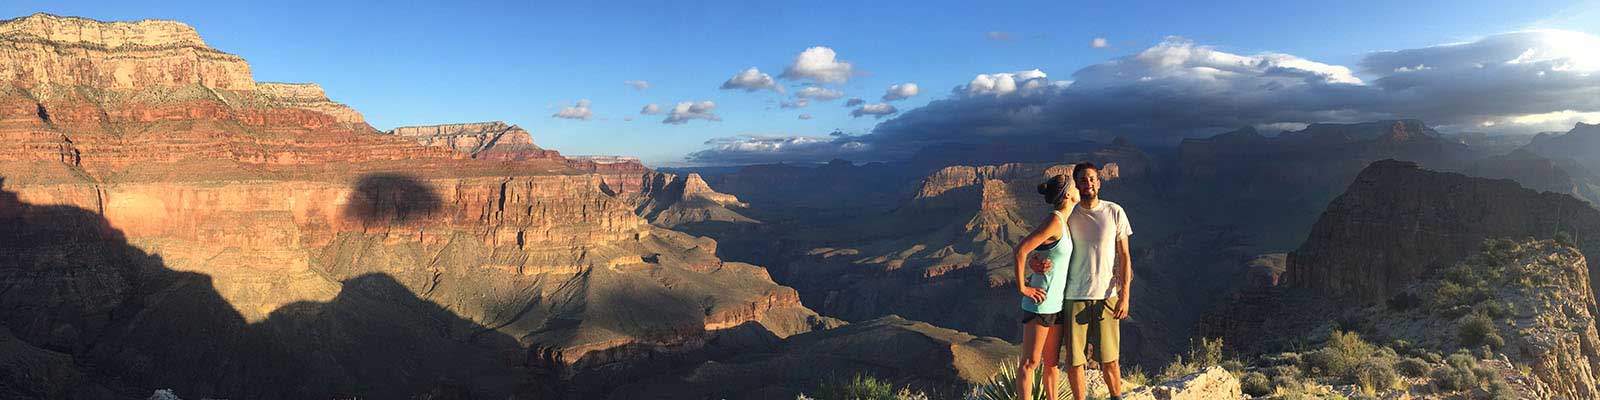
1076,290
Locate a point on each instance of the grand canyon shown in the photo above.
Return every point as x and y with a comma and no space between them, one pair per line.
169,226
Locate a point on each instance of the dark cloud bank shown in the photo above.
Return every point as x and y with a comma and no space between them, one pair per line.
1522,82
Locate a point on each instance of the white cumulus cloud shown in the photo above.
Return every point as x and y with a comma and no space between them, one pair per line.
818,64
1099,43
650,109
900,91
686,111
578,111
1028,82
750,80
854,101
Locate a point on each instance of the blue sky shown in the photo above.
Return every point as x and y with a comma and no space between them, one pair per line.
415,63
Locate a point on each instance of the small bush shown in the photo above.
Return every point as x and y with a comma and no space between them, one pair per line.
1432,357
1342,353
1135,377
1375,374
1565,239
1412,367
862,386
1451,379
1478,330
1461,372
1206,354
1255,384
1176,369
1234,367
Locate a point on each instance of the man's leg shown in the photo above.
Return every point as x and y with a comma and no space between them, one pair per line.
1112,372
1076,329
1108,337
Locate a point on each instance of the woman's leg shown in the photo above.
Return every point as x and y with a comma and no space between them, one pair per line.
1033,340
1052,354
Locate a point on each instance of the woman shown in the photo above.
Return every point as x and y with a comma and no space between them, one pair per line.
1042,286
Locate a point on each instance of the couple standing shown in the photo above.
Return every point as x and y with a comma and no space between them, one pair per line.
1079,290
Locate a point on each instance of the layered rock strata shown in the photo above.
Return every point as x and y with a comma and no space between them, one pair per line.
177,225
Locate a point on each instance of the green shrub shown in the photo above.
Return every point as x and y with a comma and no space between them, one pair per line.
1565,239
1255,384
1135,377
1234,367
1451,379
1500,390
1176,369
1412,367
1478,330
862,386
1461,372
1206,354
1342,353
1374,374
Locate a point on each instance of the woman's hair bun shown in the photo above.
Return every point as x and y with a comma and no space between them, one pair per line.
1054,189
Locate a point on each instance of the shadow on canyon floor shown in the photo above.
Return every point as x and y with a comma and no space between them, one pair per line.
391,198
85,314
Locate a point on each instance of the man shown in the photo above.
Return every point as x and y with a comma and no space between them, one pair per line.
1098,284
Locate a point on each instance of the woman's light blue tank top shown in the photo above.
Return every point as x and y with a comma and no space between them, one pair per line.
1054,281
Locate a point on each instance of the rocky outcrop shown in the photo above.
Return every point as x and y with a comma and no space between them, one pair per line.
1398,221
483,140
1547,323
308,96
906,352
177,225
671,200
46,50
1209,384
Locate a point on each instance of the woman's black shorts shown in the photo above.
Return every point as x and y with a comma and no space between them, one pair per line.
1042,319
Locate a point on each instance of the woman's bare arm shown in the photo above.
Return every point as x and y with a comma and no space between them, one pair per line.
1044,232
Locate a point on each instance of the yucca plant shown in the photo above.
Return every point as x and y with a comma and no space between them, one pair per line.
1003,385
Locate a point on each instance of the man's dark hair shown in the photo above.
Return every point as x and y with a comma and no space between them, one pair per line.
1079,168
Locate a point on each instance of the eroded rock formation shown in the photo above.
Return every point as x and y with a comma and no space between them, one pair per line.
179,225
1398,221
481,140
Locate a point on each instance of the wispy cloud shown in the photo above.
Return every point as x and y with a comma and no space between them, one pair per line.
637,85
998,36
819,93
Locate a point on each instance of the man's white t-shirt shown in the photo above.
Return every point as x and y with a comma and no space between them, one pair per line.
1094,250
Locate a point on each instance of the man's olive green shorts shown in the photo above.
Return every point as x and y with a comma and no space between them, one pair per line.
1091,321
